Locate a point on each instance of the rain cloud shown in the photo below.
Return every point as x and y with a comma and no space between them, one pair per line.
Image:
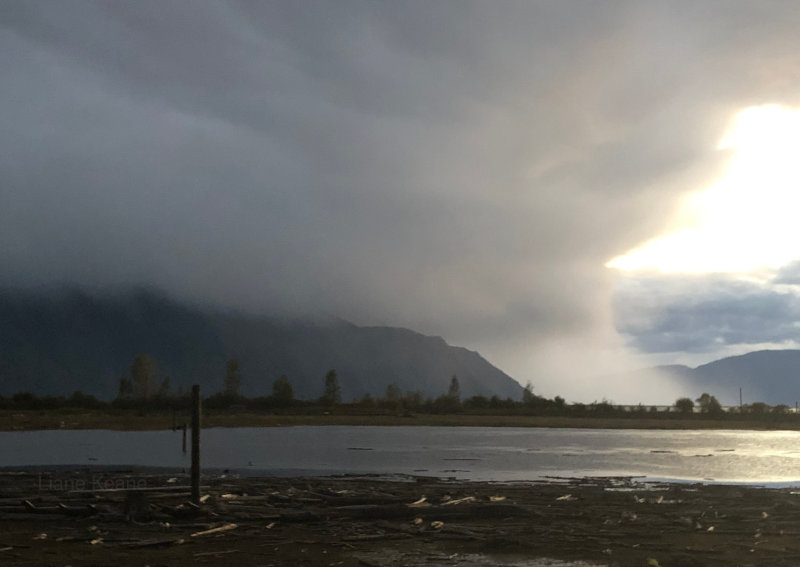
461,168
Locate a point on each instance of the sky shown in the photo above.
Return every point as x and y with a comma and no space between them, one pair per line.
572,189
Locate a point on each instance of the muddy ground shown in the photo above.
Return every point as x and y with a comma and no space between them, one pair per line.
126,518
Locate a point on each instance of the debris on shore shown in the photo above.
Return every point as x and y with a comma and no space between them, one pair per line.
121,517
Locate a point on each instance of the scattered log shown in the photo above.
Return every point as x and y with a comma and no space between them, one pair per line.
218,529
214,553
156,543
484,510
375,537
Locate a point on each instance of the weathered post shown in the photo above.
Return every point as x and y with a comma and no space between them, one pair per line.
196,444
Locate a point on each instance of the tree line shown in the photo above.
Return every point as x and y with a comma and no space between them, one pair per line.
143,389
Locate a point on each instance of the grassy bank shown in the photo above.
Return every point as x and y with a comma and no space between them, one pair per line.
135,421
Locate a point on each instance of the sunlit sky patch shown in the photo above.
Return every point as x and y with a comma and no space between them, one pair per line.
747,219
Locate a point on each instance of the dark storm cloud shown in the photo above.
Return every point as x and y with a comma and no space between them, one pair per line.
462,168
705,314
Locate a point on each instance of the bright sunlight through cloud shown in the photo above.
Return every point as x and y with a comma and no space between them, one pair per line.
749,218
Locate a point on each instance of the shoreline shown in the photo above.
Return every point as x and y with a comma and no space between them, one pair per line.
31,420
356,521
246,474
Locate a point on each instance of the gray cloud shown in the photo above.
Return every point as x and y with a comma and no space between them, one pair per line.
706,314
462,168
788,275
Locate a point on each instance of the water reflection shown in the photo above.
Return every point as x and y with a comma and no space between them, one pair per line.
476,453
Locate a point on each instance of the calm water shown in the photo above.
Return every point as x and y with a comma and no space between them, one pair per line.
476,453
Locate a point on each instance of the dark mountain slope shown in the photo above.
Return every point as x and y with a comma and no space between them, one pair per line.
771,376
70,340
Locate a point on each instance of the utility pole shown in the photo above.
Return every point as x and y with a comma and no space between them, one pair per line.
741,407
195,444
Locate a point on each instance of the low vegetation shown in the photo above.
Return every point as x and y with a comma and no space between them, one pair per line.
145,402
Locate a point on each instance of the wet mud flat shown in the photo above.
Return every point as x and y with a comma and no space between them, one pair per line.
130,517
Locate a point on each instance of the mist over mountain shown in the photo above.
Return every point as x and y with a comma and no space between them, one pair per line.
59,342
770,376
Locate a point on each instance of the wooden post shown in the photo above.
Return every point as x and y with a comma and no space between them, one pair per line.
196,444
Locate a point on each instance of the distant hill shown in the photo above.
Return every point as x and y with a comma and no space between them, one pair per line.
61,342
771,376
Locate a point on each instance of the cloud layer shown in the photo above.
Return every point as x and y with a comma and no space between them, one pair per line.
465,169
702,315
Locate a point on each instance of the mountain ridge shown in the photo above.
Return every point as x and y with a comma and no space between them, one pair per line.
770,375
59,342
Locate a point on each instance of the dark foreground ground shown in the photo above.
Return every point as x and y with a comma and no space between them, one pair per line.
126,518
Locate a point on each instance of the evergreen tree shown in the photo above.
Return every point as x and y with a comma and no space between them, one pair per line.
282,391
233,379
333,392
454,391
143,375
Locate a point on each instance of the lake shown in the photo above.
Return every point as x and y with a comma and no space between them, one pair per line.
467,453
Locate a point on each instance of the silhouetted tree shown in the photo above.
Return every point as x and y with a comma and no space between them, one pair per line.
24,400
684,405
454,390
393,392
282,391
578,409
603,408
143,375
366,401
477,402
709,404
449,402
414,401
125,388
164,388
757,408
78,399
333,392
780,409
527,393
233,378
